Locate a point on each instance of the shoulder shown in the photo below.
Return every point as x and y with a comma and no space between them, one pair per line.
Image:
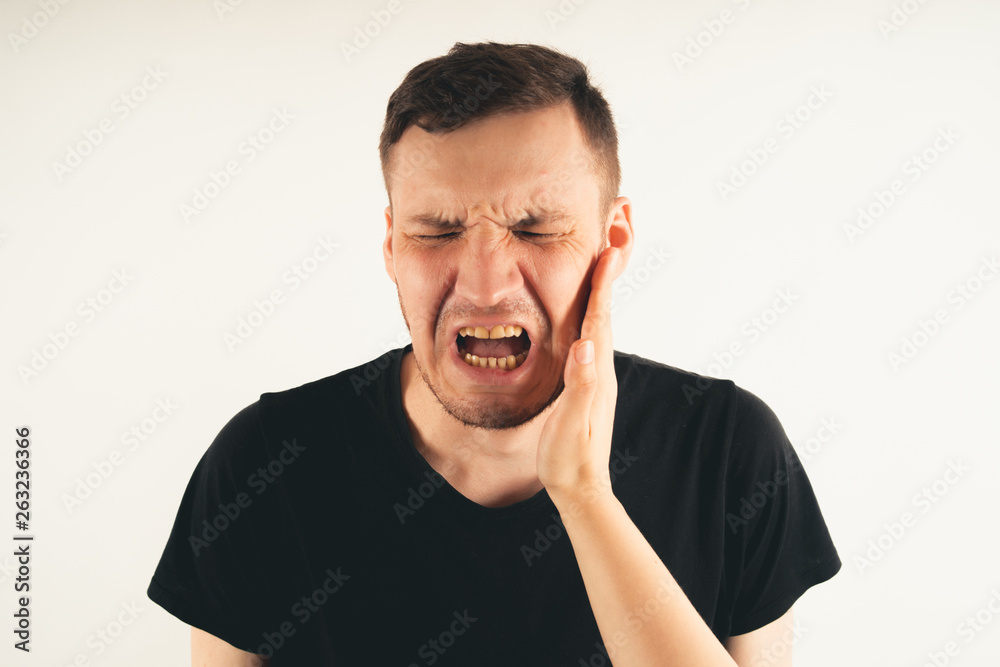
759,439
731,414
642,379
361,388
355,383
261,429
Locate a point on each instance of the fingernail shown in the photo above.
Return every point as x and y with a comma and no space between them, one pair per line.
585,352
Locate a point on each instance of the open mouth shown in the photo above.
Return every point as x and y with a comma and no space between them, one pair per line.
503,346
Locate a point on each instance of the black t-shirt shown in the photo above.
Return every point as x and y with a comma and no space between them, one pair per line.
312,529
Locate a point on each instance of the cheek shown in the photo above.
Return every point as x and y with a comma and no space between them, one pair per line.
564,297
559,264
420,291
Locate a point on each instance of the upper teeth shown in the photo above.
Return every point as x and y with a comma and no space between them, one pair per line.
499,331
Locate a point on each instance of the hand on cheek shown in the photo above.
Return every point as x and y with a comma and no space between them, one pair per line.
575,445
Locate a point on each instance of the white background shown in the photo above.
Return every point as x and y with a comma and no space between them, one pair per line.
684,127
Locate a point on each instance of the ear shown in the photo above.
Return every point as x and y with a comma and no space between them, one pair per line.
618,233
387,245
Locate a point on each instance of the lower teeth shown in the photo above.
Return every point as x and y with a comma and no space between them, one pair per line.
507,363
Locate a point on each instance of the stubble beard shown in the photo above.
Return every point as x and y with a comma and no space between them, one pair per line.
481,413
487,414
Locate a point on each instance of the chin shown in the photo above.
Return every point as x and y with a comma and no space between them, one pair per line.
492,412
492,415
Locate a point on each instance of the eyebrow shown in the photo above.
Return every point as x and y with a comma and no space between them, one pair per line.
431,220
539,216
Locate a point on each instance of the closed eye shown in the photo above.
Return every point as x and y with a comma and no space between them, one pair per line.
450,234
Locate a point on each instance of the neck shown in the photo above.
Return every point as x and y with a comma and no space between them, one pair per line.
491,467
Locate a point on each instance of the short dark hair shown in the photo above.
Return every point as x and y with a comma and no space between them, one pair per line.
435,96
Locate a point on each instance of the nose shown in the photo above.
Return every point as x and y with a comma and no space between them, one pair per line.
488,270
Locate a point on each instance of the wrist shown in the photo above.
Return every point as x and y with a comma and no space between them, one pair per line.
577,499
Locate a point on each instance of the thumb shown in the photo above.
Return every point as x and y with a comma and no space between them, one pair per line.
580,381
582,368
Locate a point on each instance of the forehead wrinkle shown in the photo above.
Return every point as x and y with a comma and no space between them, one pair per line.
497,198
533,212
528,182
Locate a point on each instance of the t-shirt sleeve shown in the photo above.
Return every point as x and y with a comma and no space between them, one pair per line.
778,544
209,575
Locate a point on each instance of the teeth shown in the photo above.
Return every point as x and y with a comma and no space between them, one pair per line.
507,363
499,331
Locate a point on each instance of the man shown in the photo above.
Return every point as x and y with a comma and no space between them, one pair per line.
507,489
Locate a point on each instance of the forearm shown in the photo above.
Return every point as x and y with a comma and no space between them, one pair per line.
643,615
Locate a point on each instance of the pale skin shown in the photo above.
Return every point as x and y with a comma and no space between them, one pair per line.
559,288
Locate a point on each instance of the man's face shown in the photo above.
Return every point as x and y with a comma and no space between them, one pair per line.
494,224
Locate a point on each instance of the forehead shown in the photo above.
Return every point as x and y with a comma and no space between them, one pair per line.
504,161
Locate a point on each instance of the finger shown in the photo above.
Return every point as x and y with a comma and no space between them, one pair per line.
580,378
597,319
